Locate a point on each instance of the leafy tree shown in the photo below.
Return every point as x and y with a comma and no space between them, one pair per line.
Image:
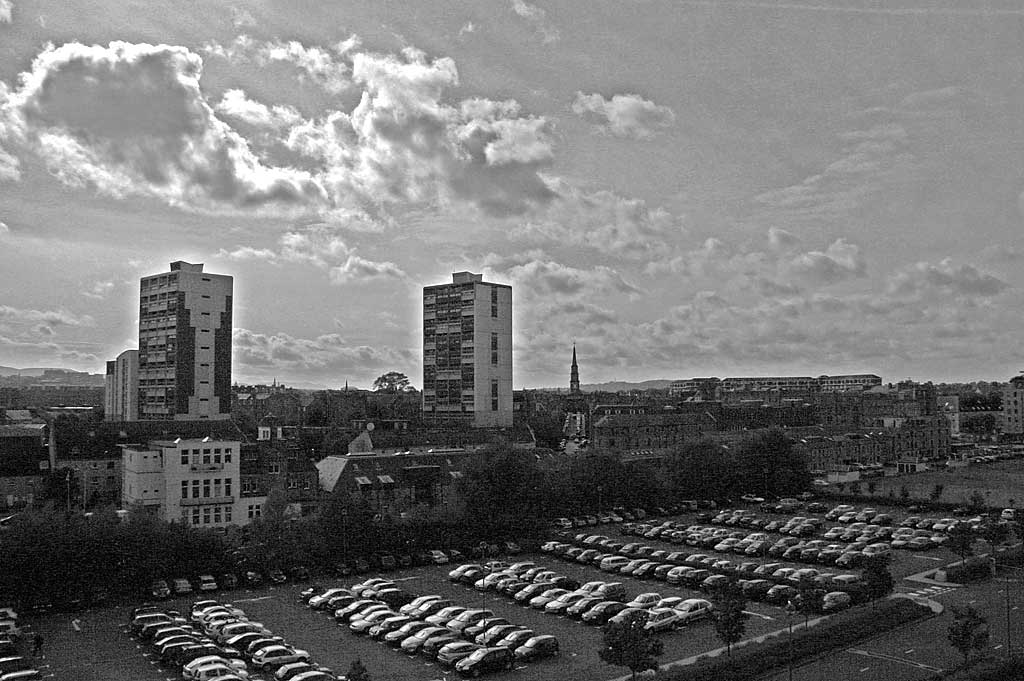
872,487
878,580
630,644
968,632
730,618
976,502
391,382
961,540
936,492
994,533
357,672
62,488
904,492
810,598
855,487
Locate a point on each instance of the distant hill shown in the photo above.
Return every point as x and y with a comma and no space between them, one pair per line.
625,386
8,371
31,371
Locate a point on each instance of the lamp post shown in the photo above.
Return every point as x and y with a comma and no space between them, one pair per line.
67,482
344,532
790,609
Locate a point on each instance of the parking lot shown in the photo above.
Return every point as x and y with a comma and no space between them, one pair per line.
104,651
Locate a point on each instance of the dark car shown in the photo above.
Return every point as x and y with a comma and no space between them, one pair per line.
395,638
486,660
360,565
159,589
228,580
602,612
276,576
253,578
537,648
756,589
433,645
388,562
299,573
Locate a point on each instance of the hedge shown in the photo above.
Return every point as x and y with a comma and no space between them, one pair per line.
840,630
988,670
973,570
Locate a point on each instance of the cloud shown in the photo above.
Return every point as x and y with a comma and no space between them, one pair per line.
49,317
131,120
626,116
994,254
6,11
841,260
965,280
538,18
468,27
319,246
603,221
235,104
325,356
100,289
536,278
357,269
325,67
4,229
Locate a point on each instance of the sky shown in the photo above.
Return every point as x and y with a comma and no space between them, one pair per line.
682,187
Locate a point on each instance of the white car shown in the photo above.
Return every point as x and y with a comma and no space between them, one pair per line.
321,599
693,609
189,669
275,656
663,619
645,600
217,670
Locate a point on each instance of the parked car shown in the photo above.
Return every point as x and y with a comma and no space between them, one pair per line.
537,647
486,660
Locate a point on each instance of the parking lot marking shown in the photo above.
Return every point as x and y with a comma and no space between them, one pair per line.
757,614
893,658
907,652
253,600
864,670
928,558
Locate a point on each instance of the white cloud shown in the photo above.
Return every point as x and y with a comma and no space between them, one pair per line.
357,269
538,18
100,289
468,27
235,104
131,119
627,116
965,280
6,11
841,260
326,357
537,278
49,317
325,67
4,229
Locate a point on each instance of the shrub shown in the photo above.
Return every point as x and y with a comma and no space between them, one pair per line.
974,569
990,670
843,629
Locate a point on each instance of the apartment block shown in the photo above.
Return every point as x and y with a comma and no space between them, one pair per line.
121,388
467,352
185,321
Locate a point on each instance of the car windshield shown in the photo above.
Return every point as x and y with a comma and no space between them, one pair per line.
477,655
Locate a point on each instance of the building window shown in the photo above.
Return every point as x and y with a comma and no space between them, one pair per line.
195,489
195,516
494,405
227,487
206,515
254,510
184,489
275,467
206,456
227,514
184,457
216,487
216,456
227,455
216,514
206,488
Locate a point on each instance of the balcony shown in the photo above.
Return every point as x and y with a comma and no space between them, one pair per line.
206,467
208,501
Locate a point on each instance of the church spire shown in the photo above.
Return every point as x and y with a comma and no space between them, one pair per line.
574,374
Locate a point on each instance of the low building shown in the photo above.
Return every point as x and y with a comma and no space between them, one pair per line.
279,465
632,428
24,460
196,482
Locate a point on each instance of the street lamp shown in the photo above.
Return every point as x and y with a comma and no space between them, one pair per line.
790,609
344,532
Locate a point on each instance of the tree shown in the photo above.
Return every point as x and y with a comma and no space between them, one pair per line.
810,597
878,580
904,492
994,533
936,492
872,487
976,502
630,644
730,618
855,488
357,672
961,539
62,487
968,632
391,382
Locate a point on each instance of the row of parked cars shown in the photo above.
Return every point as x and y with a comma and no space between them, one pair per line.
707,573
473,641
217,642
13,665
595,602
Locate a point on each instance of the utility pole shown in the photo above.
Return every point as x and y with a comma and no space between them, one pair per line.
67,482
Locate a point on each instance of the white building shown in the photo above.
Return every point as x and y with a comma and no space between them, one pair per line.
1013,406
121,388
196,482
185,344
467,351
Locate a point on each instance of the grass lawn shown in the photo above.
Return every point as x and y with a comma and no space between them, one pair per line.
999,482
